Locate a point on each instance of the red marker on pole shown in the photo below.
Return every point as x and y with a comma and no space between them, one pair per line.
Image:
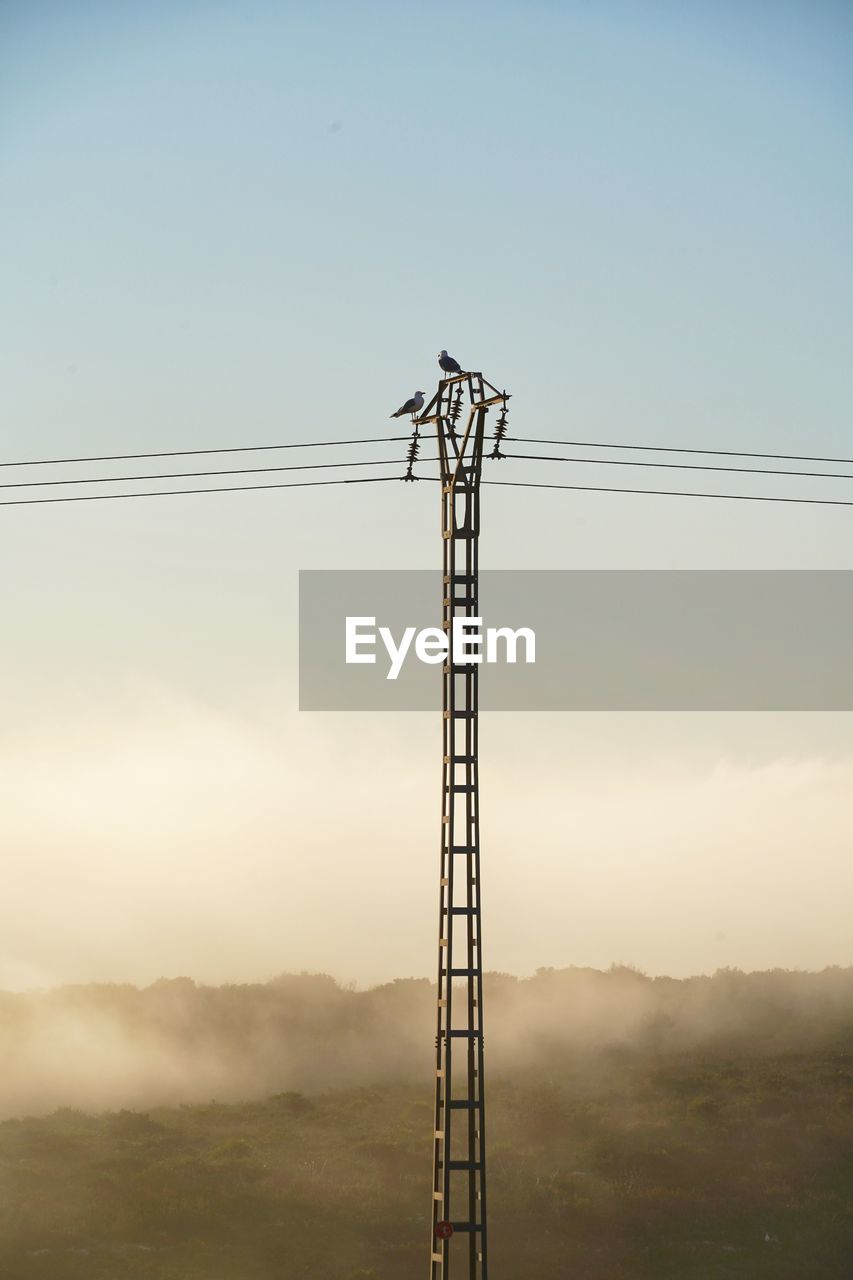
444,1230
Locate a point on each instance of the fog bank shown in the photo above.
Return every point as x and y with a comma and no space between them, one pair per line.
103,1046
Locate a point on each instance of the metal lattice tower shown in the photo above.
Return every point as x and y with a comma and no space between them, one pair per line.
458,1232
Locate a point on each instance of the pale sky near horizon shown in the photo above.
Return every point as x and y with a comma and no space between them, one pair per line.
229,223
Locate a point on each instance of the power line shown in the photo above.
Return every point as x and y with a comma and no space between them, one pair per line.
187,475
682,466
169,493
185,453
660,448
325,444
303,484
672,493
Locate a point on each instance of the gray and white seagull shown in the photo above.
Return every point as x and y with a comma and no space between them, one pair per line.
448,364
412,406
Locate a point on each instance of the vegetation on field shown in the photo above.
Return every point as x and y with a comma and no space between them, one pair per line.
708,1134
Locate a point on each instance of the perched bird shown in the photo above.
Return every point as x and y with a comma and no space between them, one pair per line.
412,406
448,364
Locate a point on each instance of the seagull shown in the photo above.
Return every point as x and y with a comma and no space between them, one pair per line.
412,406
447,363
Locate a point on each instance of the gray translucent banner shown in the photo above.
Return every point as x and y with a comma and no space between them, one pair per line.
604,641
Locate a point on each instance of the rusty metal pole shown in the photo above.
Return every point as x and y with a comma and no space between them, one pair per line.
459,1242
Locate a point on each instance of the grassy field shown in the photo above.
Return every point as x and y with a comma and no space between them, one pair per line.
689,1165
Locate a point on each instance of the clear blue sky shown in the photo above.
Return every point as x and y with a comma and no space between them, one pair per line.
250,222
636,216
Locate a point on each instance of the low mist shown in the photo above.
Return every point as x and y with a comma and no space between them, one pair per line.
109,1046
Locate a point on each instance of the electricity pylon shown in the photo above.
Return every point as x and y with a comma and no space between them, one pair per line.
458,1232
